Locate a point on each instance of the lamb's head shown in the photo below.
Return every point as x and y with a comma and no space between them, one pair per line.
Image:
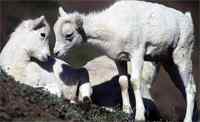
68,32
35,34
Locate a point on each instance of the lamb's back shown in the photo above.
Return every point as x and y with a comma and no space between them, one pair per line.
144,21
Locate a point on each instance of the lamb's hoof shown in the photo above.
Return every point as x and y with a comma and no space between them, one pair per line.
187,120
86,103
127,109
86,100
139,117
131,117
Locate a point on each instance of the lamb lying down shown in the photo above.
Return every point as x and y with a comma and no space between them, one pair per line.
26,57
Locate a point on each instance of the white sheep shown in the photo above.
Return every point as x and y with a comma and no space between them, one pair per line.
26,57
135,31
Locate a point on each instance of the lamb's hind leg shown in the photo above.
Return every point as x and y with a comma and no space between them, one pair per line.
190,87
123,82
182,57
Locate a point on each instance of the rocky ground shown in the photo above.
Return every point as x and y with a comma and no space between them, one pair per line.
22,103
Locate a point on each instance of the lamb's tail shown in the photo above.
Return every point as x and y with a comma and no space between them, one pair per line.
190,24
189,21
186,39
187,30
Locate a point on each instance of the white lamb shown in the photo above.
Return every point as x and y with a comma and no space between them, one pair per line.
137,31
26,57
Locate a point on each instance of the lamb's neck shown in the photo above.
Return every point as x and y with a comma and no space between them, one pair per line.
97,30
96,26
12,59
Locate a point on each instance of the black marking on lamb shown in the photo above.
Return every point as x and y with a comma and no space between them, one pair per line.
72,75
123,56
69,75
47,65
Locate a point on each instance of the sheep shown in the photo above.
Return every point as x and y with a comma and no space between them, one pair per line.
144,33
26,58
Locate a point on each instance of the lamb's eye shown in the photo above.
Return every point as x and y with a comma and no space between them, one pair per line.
69,37
43,35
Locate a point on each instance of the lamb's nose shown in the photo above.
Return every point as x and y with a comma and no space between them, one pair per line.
57,53
48,57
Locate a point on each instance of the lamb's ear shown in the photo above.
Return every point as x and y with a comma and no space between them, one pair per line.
38,21
80,29
78,21
61,11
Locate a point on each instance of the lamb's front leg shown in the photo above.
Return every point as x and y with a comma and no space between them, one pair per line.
123,82
85,88
137,59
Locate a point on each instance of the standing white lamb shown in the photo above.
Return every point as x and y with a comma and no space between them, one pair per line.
26,57
135,31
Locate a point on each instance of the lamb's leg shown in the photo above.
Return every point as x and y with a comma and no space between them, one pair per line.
190,87
137,59
149,73
182,57
85,88
123,82
85,92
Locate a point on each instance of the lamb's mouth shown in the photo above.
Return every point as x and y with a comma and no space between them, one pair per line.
41,59
44,58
